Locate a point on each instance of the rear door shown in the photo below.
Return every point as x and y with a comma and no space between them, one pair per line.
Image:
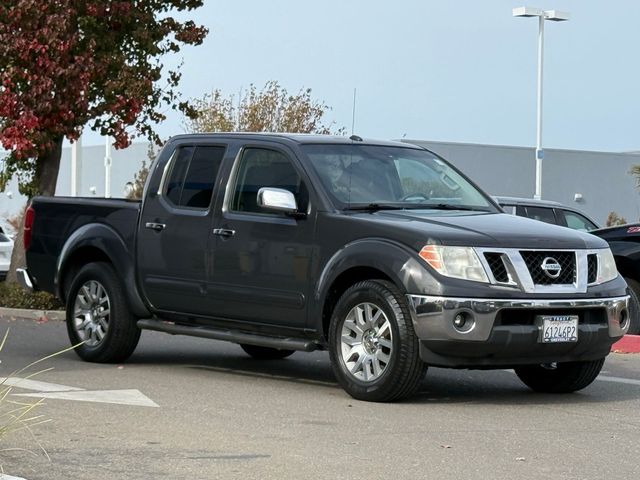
173,241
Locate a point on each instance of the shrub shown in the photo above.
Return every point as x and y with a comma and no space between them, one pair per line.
14,296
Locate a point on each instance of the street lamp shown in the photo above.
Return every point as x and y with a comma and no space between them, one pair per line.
555,16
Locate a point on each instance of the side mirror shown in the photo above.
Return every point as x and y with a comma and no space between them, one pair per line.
277,199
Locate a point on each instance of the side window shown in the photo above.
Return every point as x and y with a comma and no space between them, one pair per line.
193,176
260,168
578,222
178,172
510,209
541,214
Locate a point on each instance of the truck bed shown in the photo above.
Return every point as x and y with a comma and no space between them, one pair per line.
56,220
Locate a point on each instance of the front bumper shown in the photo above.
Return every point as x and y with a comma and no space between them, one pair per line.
505,332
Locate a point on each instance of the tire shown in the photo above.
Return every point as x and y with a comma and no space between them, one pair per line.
266,353
98,314
634,306
564,378
373,348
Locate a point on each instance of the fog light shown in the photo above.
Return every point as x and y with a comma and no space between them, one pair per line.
463,322
623,318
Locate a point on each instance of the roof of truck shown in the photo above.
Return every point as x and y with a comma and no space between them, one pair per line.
301,138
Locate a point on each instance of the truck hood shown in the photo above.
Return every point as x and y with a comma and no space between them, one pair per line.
479,229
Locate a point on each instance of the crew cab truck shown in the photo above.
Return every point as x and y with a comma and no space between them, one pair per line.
381,253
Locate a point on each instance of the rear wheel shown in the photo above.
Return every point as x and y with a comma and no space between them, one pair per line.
266,353
98,316
561,377
373,347
634,306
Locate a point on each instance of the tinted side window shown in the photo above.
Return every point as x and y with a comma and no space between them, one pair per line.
265,168
193,176
578,222
542,214
201,176
178,172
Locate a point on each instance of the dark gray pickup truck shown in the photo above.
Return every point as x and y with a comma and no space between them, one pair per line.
381,253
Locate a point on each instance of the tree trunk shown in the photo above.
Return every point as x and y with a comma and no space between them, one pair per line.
45,179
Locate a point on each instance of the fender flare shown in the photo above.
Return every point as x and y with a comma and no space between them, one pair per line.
397,261
112,245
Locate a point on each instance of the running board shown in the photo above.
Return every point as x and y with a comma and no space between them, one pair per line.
281,343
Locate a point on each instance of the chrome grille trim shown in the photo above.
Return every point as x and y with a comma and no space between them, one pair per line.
520,276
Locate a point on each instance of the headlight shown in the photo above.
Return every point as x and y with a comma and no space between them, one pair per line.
456,262
606,266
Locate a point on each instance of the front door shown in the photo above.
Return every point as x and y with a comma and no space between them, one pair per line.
261,260
173,241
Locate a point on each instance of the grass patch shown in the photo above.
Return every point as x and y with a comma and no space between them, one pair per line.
14,296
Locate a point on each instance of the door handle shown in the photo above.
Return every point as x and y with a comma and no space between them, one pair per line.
224,232
158,227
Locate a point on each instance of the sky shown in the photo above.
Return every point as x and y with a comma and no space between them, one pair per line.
454,70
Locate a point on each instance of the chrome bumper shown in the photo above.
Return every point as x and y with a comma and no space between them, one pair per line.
433,316
24,280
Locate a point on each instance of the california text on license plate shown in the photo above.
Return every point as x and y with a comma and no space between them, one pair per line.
559,328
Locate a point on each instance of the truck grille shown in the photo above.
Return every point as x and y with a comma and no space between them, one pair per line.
592,268
496,264
543,267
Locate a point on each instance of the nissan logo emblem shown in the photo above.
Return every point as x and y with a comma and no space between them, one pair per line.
551,267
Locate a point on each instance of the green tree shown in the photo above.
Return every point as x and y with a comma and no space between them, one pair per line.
271,109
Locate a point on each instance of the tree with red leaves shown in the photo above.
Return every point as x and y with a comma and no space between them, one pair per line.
65,64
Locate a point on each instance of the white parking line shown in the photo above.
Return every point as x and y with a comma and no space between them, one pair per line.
119,397
628,381
29,384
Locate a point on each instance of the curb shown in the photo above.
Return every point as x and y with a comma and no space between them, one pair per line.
38,315
627,344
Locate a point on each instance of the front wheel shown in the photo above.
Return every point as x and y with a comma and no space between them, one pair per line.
98,316
561,377
373,348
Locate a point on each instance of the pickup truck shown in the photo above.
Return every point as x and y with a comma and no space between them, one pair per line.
381,253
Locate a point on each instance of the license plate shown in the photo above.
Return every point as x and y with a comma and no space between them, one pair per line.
559,328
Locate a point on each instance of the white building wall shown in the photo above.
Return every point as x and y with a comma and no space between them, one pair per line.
125,163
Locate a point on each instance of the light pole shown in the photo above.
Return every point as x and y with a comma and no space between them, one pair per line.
555,16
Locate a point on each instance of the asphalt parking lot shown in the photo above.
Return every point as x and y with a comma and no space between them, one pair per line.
185,408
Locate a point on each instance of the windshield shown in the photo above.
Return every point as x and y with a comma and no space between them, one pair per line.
392,177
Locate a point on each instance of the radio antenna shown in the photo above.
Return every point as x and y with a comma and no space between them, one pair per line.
353,113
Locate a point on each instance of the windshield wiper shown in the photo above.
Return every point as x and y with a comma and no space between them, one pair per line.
453,206
374,207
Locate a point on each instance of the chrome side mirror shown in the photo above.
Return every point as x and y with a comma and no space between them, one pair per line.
277,199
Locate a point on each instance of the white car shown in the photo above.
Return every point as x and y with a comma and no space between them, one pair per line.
6,247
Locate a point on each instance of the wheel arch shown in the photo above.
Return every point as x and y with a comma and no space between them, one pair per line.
368,259
98,243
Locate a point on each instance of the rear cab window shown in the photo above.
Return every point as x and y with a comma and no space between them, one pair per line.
193,175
